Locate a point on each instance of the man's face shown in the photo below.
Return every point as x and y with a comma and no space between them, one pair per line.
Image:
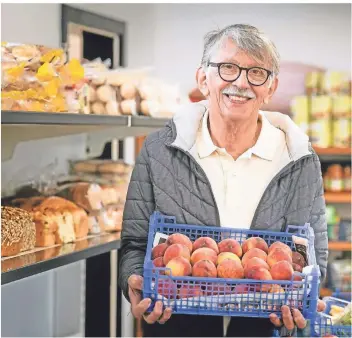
247,99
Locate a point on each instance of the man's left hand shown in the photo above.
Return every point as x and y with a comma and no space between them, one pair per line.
290,320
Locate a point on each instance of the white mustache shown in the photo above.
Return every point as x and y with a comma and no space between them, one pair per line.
239,92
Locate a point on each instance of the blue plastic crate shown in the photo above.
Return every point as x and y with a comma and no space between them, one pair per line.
228,297
323,322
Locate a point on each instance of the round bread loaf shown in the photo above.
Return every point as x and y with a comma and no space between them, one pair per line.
17,231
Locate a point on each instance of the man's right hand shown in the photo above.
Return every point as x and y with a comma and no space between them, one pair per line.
139,306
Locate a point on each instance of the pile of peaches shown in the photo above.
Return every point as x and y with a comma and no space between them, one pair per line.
254,259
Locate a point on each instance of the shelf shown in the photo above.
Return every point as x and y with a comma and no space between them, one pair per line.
333,154
19,127
325,292
338,197
340,246
45,259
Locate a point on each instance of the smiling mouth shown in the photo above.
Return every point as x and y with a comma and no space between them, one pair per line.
237,99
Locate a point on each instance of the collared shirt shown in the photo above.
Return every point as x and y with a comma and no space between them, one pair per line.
238,185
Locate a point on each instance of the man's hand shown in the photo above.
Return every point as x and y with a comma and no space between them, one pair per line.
290,320
139,306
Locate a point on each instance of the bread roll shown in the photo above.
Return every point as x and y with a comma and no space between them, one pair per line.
24,53
99,79
129,107
86,166
150,108
128,91
106,93
92,94
98,108
112,108
17,231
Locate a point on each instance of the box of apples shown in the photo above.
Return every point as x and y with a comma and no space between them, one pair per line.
230,272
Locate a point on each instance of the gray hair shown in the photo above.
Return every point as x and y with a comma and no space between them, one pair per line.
247,38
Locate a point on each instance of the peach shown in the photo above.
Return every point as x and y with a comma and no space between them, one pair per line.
179,266
297,267
244,288
217,289
275,288
167,288
187,291
259,273
230,268
159,250
297,278
278,255
203,253
204,268
159,263
256,261
297,258
282,271
176,250
230,245
280,245
205,242
255,252
180,239
227,255
254,242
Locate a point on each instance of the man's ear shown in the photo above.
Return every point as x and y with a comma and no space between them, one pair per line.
272,90
202,81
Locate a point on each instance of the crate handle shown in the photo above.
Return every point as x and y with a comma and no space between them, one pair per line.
157,218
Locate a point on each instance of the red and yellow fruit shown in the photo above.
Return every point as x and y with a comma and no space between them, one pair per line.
227,255
255,252
230,268
205,242
204,268
159,250
203,254
254,242
178,266
278,255
282,271
230,245
176,250
180,239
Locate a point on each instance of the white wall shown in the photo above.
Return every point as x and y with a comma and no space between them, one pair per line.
317,34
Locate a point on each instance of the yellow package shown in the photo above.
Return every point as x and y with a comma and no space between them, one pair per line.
320,128
300,112
332,83
321,107
341,130
312,82
46,72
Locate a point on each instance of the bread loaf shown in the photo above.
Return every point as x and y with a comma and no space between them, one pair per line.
87,196
17,231
72,220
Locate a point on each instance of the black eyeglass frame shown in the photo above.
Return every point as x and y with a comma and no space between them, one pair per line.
219,64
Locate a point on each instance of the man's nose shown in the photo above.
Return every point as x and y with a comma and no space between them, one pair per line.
242,81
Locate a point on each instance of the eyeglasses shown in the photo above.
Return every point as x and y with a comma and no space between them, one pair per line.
230,72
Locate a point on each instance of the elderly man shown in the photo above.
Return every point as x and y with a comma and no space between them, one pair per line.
224,162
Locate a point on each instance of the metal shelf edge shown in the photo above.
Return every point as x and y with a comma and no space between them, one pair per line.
53,263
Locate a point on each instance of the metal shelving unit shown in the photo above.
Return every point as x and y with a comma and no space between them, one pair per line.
19,127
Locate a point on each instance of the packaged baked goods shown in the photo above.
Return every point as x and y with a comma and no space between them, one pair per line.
38,78
17,231
312,83
332,82
341,121
111,219
320,124
300,112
